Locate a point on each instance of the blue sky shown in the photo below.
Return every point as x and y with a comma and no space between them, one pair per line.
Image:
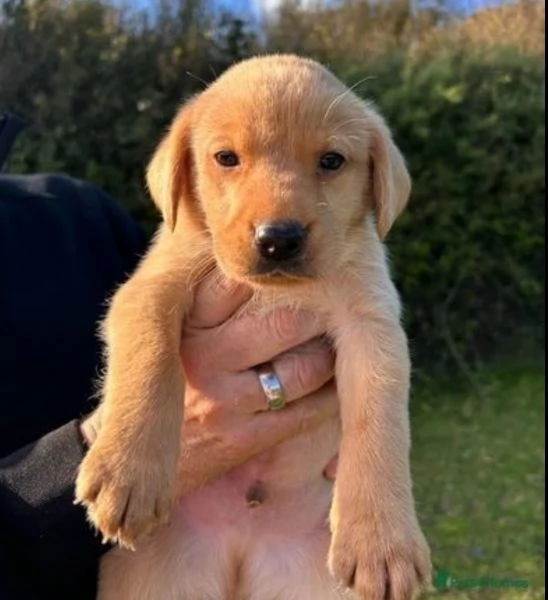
255,7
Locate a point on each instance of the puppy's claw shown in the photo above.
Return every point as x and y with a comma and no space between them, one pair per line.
120,541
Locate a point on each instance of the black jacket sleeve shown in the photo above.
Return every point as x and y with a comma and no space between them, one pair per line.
64,247
49,549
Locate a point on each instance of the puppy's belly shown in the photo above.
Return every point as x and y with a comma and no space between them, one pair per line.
258,533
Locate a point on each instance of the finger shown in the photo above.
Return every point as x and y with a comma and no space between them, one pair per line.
267,429
216,300
330,471
253,339
203,460
300,372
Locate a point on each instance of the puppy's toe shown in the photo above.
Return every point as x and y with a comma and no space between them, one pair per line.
124,499
108,513
149,505
362,572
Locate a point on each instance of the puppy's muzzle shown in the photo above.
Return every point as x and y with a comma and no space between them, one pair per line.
280,245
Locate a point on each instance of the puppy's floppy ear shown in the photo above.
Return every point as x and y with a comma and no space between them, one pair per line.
168,175
390,179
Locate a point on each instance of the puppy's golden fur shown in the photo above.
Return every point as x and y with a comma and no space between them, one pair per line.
280,115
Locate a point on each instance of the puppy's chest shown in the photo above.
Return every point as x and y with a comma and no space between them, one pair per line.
284,483
332,303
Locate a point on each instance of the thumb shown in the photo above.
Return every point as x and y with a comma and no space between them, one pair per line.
216,301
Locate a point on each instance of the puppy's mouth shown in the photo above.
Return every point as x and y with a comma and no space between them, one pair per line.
294,271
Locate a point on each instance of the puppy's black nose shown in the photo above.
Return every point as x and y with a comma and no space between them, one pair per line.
280,241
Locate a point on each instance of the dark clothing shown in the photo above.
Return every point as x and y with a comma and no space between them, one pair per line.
64,248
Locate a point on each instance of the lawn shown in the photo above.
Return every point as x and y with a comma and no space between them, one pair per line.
478,464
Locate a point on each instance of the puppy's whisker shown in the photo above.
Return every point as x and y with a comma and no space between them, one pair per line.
348,121
222,284
342,96
203,272
195,77
342,126
202,269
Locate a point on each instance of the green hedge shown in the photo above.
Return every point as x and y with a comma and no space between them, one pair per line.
468,255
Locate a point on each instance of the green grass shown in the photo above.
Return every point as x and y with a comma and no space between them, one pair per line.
478,465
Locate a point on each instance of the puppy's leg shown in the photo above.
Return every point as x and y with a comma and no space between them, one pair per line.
377,547
126,481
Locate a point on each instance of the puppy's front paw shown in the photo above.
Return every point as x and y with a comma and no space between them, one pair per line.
125,496
379,563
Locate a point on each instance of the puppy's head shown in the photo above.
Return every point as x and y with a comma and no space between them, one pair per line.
283,165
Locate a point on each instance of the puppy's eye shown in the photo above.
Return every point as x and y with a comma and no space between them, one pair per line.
227,158
331,161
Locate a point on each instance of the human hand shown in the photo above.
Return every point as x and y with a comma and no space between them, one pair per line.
227,420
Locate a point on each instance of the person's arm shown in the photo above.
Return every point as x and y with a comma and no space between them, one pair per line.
47,545
64,247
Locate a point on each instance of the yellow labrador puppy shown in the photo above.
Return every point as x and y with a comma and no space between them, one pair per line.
283,179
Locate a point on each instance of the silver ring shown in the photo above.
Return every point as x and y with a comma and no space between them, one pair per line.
272,388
